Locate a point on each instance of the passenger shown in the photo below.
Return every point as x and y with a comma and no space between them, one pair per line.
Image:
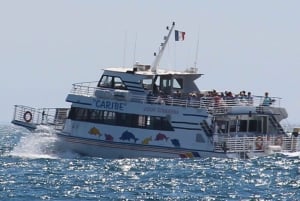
177,94
159,100
229,95
155,89
192,99
249,99
222,101
214,92
242,97
217,100
267,100
222,95
229,98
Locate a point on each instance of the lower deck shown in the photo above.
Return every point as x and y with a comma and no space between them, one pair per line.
236,141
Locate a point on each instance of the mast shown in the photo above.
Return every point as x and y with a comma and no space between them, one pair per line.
161,51
196,57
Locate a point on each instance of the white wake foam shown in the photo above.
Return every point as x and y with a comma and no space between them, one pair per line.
291,154
42,143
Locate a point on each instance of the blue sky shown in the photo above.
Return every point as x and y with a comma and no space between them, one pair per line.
45,46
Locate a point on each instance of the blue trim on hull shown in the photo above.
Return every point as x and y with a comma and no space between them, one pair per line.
196,115
78,102
184,128
183,122
26,125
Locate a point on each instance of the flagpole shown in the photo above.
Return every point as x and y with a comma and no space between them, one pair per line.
161,51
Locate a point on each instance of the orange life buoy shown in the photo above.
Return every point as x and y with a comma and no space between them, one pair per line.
259,143
278,140
27,116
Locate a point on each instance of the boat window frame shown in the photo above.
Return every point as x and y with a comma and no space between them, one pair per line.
111,82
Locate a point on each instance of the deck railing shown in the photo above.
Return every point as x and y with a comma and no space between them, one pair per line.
42,116
260,143
84,88
211,103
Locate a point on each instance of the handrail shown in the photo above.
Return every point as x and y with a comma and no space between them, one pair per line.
41,116
84,88
89,89
258,143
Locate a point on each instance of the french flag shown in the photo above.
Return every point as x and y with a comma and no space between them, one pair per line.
179,35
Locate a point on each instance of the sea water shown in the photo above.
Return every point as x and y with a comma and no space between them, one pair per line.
33,167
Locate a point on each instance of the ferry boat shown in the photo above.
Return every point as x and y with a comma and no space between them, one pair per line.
145,111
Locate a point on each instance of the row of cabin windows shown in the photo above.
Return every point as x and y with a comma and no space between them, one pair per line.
120,119
246,126
255,126
164,84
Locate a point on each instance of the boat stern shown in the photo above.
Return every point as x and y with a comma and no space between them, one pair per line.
30,118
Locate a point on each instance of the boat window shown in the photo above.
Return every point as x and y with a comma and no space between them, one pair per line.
142,121
238,125
165,85
111,82
118,83
109,116
254,126
106,81
178,83
223,126
233,126
94,114
121,119
243,126
147,84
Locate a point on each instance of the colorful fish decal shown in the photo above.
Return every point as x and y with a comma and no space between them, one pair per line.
190,155
128,136
147,140
160,137
109,137
175,142
94,131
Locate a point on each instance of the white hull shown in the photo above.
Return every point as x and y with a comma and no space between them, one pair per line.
104,149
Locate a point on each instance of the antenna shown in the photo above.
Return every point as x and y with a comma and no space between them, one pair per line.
134,50
197,51
124,51
161,51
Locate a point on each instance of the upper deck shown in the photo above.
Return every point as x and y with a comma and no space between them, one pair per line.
212,101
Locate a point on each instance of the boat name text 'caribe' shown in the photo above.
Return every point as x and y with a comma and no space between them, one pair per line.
106,104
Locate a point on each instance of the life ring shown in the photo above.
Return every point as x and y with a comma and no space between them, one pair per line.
27,116
259,143
278,140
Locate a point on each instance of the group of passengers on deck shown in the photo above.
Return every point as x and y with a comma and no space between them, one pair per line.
222,98
213,98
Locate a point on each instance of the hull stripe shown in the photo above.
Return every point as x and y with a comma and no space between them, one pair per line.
183,122
196,115
184,128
